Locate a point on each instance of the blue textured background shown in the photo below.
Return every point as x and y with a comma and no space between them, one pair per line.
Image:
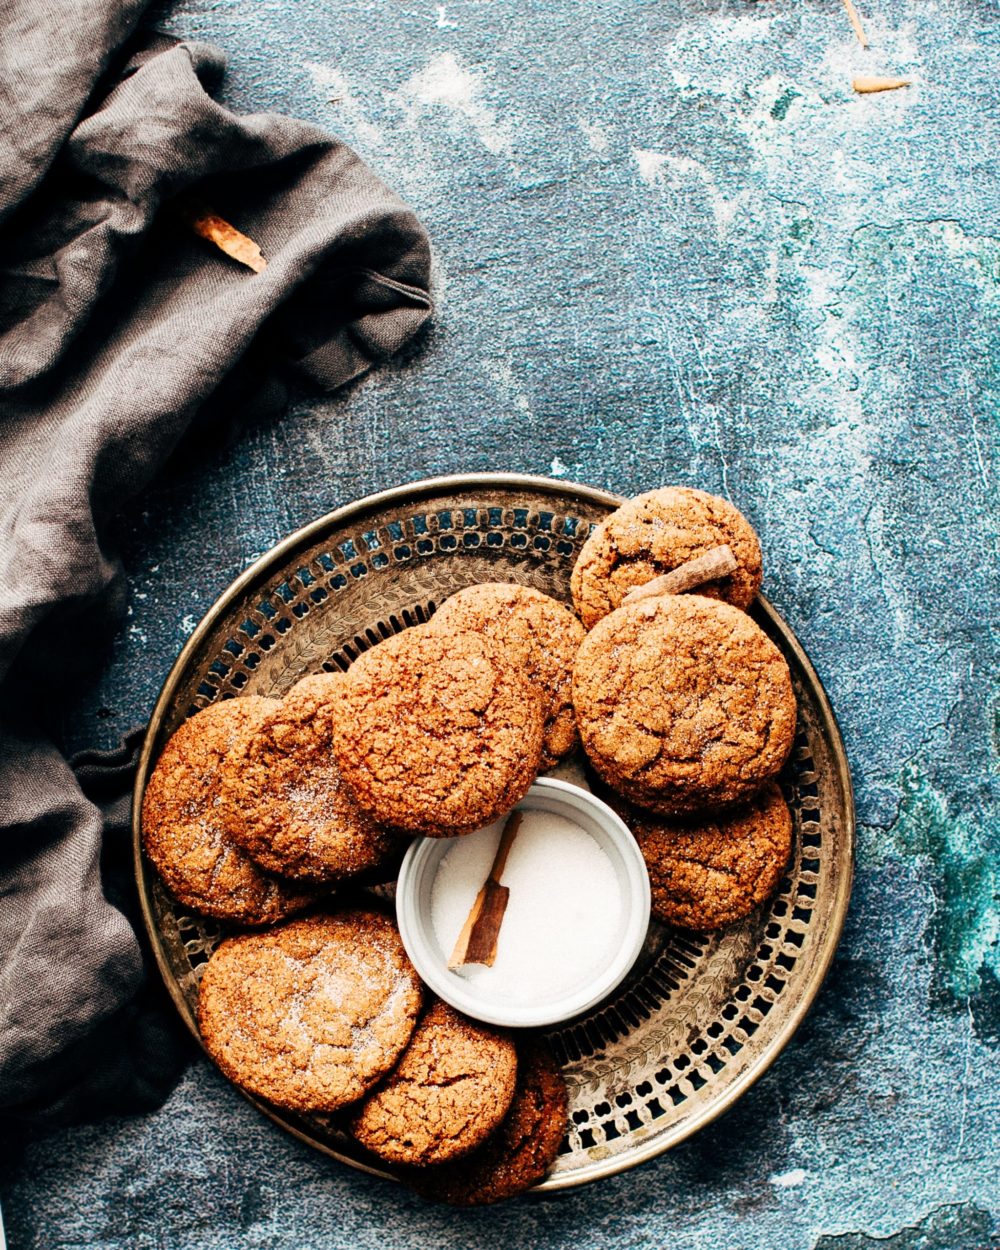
671,246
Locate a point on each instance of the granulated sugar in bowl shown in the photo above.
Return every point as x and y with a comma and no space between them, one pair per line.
576,916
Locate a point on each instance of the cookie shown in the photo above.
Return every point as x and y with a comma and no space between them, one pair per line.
288,806
653,534
519,1152
437,733
312,1014
184,833
540,636
453,1086
710,873
683,703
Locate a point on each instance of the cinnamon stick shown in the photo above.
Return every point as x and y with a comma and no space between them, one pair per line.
477,942
715,563
859,30
226,237
864,84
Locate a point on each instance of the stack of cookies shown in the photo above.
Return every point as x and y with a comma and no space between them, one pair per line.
326,1013
258,807
685,707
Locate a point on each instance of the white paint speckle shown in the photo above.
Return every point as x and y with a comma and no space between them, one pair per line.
595,134
187,625
788,1180
337,93
837,348
445,83
509,388
557,468
650,165
437,17
677,172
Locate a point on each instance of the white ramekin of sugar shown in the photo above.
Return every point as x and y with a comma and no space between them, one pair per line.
576,916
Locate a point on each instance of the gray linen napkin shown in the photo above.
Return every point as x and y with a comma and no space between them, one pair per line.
117,325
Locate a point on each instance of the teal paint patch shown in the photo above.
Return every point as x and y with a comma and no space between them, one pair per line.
965,926
962,1226
779,109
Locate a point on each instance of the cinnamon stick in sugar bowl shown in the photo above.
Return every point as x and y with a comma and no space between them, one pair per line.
572,925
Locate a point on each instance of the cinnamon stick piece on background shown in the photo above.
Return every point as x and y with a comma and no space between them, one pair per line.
859,30
864,84
226,237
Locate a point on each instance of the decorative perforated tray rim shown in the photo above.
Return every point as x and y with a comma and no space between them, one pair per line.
702,1016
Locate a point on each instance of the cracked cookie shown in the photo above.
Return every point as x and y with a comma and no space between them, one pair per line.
312,1014
452,1087
437,734
707,874
288,806
519,1152
183,830
653,534
683,704
540,636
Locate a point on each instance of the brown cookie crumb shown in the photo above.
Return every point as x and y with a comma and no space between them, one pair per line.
185,830
653,534
290,808
519,1152
310,1015
437,734
683,704
709,873
452,1087
540,636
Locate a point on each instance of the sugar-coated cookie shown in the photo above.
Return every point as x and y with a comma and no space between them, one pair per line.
311,1014
540,635
184,827
683,703
286,802
437,733
712,871
519,1152
654,533
450,1090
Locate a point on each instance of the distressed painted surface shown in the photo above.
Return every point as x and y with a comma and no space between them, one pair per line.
672,245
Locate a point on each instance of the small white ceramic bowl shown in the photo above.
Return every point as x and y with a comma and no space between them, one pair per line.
413,911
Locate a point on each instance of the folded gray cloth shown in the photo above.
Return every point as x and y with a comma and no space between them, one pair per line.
117,326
